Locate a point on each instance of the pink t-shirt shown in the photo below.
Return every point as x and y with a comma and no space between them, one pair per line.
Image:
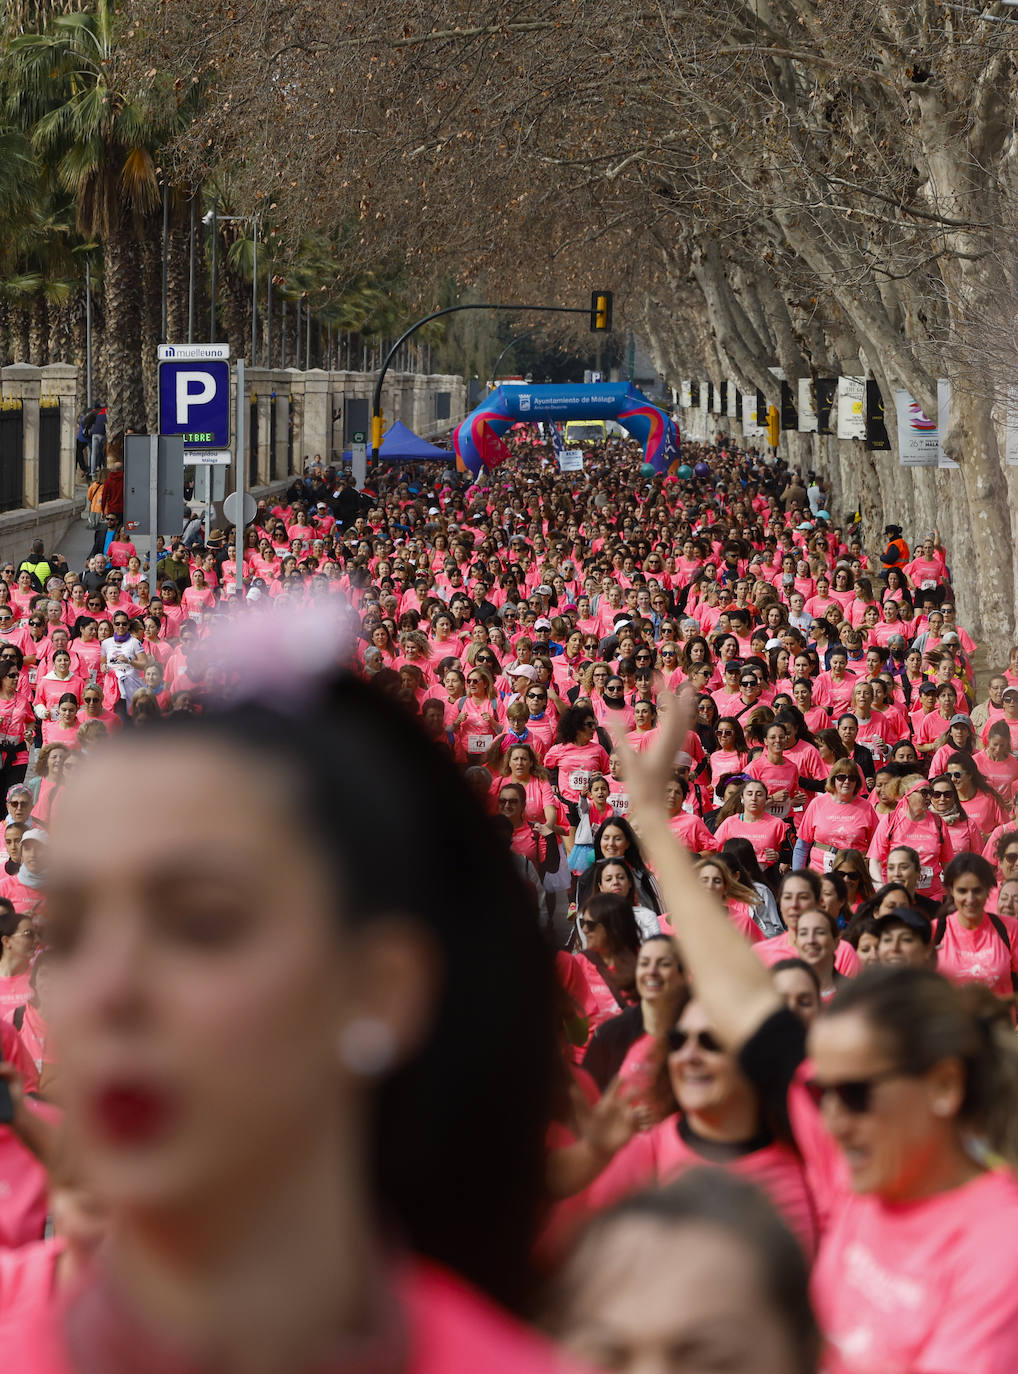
572,760
842,825
928,837
662,1154
766,833
692,832
980,955
451,1328
779,947
922,1287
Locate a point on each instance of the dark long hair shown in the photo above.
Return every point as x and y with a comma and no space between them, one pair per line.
472,1104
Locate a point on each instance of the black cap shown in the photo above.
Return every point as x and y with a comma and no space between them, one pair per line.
908,916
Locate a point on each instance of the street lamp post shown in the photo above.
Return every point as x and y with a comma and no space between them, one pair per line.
211,217
511,344
376,403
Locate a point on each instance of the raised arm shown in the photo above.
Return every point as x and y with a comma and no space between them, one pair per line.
728,978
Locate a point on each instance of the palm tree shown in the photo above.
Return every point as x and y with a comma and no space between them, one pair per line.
99,141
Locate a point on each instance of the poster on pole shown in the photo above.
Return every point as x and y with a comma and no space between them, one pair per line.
1011,428
807,408
944,422
851,407
570,460
918,437
751,427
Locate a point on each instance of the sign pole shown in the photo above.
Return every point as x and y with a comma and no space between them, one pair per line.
153,508
239,524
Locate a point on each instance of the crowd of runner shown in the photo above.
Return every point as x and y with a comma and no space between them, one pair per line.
738,753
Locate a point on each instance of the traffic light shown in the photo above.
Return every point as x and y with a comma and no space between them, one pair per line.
773,426
600,312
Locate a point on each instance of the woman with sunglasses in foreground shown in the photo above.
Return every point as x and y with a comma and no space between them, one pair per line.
908,1131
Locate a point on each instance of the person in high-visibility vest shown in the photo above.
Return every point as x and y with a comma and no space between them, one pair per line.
896,555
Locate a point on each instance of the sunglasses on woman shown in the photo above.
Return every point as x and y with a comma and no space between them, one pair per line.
588,925
705,1040
854,1094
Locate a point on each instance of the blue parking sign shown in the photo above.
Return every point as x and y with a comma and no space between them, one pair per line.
194,400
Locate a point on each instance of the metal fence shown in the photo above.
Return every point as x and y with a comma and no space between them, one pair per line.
12,464
49,449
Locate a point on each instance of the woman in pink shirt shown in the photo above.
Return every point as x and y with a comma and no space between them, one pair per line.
974,945
767,834
916,1272
354,1019
837,818
911,824
576,755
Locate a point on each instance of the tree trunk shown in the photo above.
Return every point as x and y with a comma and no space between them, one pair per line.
151,319
125,391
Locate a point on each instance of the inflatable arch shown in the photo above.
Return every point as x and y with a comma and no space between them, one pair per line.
478,443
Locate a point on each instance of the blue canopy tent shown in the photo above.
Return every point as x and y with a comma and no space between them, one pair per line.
402,445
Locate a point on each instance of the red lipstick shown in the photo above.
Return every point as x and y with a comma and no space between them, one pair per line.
132,1113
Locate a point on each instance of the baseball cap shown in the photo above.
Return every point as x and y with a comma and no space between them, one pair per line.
961,719
908,916
542,623
523,670
1009,692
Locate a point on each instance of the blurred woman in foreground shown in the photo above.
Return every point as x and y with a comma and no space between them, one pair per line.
290,1078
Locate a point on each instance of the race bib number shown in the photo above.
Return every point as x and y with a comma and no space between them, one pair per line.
927,584
925,876
779,809
827,860
619,803
578,779
479,744
33,673
878,747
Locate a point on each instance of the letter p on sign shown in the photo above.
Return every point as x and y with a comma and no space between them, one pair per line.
194,401
193,389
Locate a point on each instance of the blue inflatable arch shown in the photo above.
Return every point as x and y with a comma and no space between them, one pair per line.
478,443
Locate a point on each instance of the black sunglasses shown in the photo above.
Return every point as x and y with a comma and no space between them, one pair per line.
706,1040
588,925
854,1094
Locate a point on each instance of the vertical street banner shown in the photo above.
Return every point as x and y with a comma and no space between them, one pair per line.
807,408
918,437
826,392
1011,428
944,422
732,393
789,412
686,395
877,438
851,407
751,427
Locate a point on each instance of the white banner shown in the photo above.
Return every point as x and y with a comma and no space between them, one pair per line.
733,392
807,410
570,460
851,407
751,427
918,437
704,388
1011,428
944,422
685,394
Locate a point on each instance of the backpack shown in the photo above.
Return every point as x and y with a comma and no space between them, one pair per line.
998,926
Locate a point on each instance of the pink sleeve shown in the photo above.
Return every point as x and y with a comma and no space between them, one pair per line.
631,1169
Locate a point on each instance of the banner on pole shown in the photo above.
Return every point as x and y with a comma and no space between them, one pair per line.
685,395
751,427
877,438
851,407
918,437
807,408
732,407
944,422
